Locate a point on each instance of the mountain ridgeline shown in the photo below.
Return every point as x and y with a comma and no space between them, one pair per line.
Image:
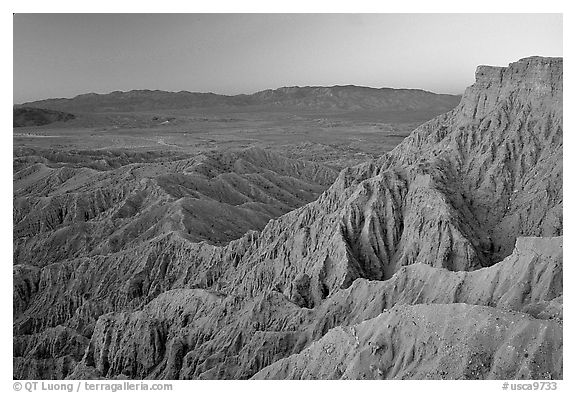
441,259
346,98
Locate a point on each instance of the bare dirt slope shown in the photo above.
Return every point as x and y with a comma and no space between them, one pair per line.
441,259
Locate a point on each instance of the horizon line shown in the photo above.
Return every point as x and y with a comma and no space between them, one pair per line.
239,94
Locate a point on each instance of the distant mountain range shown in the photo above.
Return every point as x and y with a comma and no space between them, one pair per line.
337,98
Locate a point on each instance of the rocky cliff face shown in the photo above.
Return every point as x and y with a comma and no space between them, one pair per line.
504,144
360,283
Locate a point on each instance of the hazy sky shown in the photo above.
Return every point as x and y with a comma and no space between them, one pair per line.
62,55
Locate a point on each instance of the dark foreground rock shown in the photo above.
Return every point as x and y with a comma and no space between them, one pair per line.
30,117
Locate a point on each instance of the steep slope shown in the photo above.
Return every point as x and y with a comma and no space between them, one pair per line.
504,143
348,98
427,223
